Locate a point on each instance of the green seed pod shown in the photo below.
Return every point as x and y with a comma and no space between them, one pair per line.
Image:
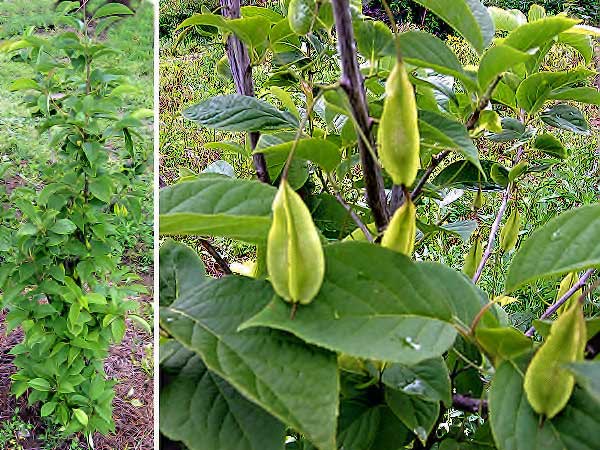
295,259
548,384
479,200
510,233
567,283
473,258
402,229
398,134
301,15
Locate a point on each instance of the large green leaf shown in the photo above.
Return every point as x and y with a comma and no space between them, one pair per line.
439,133
239,113
378,304
507,19
218,206
200,409
425,50
429,380
417,414
566,243
496,60
550,145
517,427
468,17
463,174
374,40
566,117
270,368
580,42
536,34
358,424
536,89
181,269
587,375
320,151
579,94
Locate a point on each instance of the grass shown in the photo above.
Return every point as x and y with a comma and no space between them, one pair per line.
188,76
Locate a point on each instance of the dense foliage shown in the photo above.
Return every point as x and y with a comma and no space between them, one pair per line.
342,334
61,277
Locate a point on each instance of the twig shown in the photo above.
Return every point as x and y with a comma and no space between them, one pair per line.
435,161
241,70
495,227
352,83
218,258
348,208
554,307
473,405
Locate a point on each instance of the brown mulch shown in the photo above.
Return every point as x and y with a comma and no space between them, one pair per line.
133,404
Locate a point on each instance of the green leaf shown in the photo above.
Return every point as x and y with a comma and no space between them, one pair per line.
587,375
358,424
378,304
101,188
566,243
503,343
506,19
516,426
23,84
536,34
39,384
81,416
512,129
418,415
536,89
550,145
566,117
272,369
320,151
468,17
47,409
63,226
463,174
209,19
217,206
117,328
374,40
181,270
580,42
497,60
428,379
205,412
239,113
112,9
579,94
439,133
425,50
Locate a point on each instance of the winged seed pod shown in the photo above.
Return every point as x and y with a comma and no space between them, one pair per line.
473,258
402,229
295,259
548,384
398,134
510,233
